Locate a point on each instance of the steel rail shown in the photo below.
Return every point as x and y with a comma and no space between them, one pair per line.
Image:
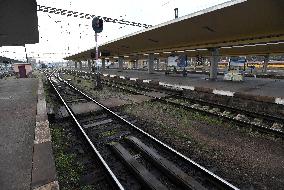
252,114
267,117
221,182
228,118
113,177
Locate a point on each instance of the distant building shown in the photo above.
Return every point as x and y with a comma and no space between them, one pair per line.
22,70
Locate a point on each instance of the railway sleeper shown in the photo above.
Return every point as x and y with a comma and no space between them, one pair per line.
103,122
148,179
168,167
77,100
90,119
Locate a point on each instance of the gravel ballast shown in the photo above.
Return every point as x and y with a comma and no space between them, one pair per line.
247,159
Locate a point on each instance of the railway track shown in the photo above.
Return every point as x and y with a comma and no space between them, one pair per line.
261,122
244,118
132,158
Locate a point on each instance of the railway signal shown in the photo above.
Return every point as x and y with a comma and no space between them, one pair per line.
97,24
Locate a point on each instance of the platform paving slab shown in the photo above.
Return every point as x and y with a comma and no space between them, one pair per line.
43,165
43,170
18,100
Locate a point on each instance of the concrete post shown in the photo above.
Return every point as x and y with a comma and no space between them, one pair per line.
214,63
80,65
158,64
166,64
120,63
265,63
103,64
151,63
89,65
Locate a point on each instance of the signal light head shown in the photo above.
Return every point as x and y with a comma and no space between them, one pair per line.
97,24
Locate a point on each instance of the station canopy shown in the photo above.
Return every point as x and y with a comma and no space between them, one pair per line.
238,27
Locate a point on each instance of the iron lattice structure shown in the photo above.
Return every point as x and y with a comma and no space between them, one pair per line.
88,16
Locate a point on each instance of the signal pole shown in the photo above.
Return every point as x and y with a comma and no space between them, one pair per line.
97,49
97,25
98,74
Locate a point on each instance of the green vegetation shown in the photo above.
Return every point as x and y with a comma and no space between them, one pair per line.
88,187
172,122
108,133
182,116
69,170
65,164
47,90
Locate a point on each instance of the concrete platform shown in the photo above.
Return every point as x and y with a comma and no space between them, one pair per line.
43,171
18,105
251,86
26,160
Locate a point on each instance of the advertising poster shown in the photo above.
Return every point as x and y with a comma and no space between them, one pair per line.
237,61
177,61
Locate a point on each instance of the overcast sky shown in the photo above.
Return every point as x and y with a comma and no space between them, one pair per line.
60,35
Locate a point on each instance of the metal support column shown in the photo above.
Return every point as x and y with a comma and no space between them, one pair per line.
80,65
103,64
76,64
265,63
158,64
120,63
151,63
89,65
214,63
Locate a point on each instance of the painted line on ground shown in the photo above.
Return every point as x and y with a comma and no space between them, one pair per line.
223,92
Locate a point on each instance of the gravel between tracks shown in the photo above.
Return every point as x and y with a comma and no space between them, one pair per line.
248,160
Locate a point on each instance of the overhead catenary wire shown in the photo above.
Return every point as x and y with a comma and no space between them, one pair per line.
88,16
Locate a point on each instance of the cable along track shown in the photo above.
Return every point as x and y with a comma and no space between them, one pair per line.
133,158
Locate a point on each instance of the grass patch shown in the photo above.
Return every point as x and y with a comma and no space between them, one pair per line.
68,167
180,115
108,133
67,172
